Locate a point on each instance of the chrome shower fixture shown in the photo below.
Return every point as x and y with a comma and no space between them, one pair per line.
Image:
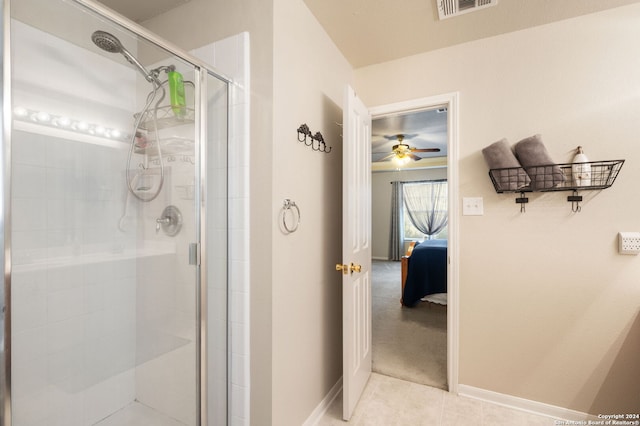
110,43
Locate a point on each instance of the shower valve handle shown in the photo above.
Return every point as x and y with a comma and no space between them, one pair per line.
162,220
170,221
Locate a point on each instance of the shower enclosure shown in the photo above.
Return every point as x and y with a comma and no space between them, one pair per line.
114,220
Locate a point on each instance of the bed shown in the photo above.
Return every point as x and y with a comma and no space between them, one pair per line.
424,272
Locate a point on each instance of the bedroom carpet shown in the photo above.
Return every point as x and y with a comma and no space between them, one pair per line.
408,343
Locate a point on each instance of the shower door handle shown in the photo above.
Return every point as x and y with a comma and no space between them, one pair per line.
194,254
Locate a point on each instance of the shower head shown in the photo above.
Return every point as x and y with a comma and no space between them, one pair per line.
110,43
107,41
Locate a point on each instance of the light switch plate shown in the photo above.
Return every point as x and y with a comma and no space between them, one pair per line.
472,206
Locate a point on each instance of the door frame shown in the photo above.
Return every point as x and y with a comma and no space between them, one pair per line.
451,102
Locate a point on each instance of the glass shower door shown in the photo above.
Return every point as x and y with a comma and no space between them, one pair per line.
106,208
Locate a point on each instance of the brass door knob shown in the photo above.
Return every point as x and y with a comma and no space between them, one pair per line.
350,268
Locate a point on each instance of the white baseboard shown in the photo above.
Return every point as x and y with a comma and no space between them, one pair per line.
522,404
379,258
324,405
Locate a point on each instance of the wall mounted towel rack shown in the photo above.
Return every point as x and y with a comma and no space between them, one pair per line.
290,207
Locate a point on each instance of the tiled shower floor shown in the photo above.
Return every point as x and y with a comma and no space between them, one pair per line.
136,414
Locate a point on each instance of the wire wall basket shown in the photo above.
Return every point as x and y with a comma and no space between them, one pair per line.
574,177
556,177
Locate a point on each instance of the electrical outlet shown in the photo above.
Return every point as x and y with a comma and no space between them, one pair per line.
472,206
629,242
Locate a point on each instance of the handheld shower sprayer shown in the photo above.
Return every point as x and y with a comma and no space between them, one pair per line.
110,43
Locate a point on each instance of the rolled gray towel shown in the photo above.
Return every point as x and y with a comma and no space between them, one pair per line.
511,175
535,159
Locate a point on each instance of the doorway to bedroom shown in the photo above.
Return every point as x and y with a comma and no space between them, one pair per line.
409,156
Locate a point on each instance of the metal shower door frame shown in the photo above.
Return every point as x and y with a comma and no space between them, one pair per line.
5,219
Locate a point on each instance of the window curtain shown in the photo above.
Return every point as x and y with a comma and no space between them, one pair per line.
427,205
396,240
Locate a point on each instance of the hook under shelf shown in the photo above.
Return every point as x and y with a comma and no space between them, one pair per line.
522,200
575,200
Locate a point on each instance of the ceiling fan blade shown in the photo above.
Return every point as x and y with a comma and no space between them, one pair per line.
394,137
388,157
425,149
414,157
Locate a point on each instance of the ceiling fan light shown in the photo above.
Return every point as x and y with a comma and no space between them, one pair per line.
401,159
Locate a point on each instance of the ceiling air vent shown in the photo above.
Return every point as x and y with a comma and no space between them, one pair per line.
449,8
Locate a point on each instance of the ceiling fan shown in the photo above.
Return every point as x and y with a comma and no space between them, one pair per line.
403,153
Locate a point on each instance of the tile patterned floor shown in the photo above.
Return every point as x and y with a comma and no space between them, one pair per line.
392,402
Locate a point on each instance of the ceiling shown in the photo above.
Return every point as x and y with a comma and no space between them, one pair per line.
419,129
373,31
368,32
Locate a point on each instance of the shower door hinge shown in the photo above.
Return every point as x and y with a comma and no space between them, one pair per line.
194,254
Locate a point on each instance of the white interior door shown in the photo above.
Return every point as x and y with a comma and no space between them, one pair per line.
356,250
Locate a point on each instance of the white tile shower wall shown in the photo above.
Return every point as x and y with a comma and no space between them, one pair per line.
231,57
73,312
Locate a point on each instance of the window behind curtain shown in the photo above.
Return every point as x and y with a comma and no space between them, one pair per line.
410,232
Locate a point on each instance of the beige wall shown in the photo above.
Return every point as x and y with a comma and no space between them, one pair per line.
381,203
549,309
310,77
